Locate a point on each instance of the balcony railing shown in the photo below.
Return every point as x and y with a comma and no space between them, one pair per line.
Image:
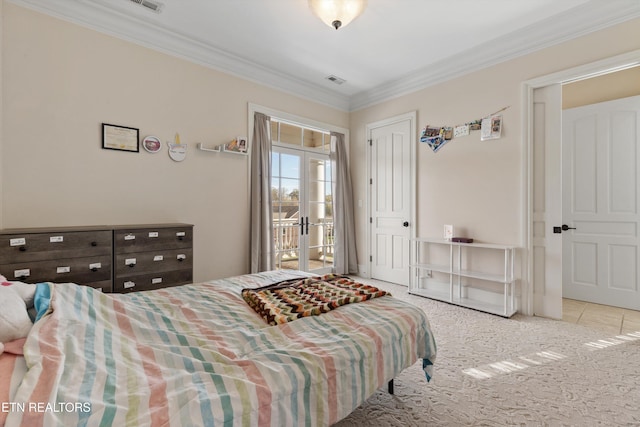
286,235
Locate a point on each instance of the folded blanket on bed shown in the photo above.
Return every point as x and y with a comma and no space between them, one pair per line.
293,299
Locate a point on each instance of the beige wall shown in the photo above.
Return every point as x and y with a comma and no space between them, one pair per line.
1,106
478,186
608,87
61,81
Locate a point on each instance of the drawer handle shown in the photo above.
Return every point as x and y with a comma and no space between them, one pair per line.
133,264
94,269
21,274
22,249
94,243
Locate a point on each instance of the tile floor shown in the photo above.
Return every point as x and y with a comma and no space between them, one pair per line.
602,317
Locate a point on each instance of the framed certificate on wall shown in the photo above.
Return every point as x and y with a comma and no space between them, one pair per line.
120,138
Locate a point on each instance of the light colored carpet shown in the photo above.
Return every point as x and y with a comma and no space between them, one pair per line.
523,371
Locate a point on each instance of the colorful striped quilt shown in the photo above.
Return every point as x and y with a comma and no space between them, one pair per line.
311,296
197,355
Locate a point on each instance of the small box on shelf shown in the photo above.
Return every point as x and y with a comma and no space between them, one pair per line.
461,240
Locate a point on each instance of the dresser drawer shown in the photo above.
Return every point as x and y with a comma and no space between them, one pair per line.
155,261
18,248
149,281
105,286
149,239
76,270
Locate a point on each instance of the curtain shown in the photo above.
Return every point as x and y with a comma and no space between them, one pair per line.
261,223
345,256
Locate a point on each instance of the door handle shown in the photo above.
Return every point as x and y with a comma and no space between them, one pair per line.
405,224
564,227
307,229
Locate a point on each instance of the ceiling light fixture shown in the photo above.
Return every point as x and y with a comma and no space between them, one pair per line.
337,13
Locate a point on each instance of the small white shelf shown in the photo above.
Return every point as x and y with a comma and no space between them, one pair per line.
221,149
201,147
487,290
486,307
241,153
439,294
435,267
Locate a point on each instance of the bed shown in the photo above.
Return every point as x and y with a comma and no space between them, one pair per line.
199,355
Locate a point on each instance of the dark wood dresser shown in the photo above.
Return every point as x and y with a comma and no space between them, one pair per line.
112,258
152,256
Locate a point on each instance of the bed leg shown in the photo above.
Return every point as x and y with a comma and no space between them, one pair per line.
390,386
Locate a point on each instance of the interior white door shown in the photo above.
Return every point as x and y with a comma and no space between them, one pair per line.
601,187
547,201
390,201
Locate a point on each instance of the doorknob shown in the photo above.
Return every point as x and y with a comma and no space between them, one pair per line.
564,227
405,224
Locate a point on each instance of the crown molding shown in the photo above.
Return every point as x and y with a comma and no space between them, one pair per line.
103,19
592,16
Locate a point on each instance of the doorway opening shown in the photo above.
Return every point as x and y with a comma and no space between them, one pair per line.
542,265
302,199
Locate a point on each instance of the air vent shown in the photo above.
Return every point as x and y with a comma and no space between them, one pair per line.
150,5
335,79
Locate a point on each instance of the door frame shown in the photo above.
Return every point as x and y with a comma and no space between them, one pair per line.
593,69
304,203
292,118
411,117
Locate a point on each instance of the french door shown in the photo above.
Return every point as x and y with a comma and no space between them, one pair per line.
302,204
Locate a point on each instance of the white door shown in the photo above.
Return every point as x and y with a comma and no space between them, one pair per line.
390,184
318,229
547,202
600,200
302,204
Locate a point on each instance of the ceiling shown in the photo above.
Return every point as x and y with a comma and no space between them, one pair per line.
394,47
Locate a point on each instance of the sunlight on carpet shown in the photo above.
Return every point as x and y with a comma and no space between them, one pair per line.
525,371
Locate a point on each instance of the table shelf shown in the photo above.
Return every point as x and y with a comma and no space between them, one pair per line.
457,283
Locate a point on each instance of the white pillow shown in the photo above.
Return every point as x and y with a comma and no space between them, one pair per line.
15,298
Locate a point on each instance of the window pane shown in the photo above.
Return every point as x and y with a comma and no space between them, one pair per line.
327,171
275,164
275,191
289,166
290,134
327,143
313,139
274,131
290,190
